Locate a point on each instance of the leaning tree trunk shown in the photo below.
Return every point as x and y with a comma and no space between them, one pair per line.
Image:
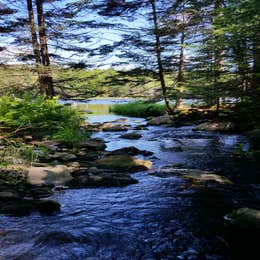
180,77
46,75
159,59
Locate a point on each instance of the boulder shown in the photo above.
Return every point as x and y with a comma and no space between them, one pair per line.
215,126
102,179
109,127
160,120
93,144
131,150
57,175
125,163
26,207
131,136
62,156
195,175
8,195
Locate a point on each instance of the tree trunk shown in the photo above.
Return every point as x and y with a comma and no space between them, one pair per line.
180,77
219,62
35,44
159,59
46,75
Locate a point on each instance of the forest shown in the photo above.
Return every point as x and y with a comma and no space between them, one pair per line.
129,129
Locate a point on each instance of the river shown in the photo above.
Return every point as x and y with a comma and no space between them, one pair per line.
155,219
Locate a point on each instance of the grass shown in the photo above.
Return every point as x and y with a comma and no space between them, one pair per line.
139,109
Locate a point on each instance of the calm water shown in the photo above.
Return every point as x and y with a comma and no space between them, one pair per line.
154,219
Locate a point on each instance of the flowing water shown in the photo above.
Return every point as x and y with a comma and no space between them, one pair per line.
154,219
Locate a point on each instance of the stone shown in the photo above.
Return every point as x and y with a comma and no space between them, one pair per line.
244,218
215,126
160,120
63,156
115,128
92,144
102,179
131,150
123,163
131,136
56,175
8,195
47,207
26,207
196,175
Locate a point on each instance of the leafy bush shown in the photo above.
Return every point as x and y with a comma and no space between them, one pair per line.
36,113
71,135
139,109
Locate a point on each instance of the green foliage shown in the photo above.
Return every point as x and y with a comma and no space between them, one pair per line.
36,113
71,136
139,109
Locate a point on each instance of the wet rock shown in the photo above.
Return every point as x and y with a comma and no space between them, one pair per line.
245,218
131,136
40,191
26,207
160,120
57,175
131,150
123,163
95,177
215,126
62,156
102,179
47,207
93,144
122,119
141,127
195,175
109,127
8,195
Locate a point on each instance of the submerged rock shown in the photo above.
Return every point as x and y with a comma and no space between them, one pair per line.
215,126
123,163
57,175
131,136
160,120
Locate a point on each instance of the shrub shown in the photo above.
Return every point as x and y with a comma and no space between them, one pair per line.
139,109
36,113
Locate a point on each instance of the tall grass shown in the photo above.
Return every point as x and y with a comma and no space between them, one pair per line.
139,109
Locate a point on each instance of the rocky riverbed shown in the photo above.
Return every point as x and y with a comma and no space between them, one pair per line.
167,193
